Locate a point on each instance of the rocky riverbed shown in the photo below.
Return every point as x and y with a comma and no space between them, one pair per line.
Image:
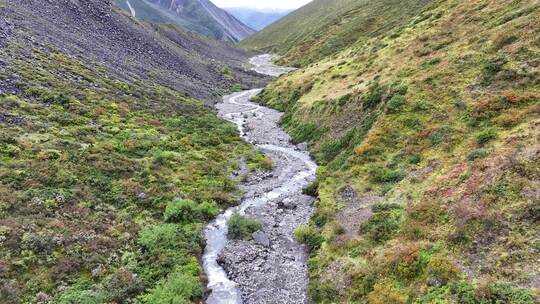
270,268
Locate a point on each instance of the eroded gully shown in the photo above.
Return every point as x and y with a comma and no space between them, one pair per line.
270,268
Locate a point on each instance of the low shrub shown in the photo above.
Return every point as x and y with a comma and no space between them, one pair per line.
396,103
311,189
477,154
208,210
309,236
385,175
387,292
236,88
157,238
306,132
384,223
180,210
241,227
486,136
183,286
259,161
490,69
442,269
496,292
80,293
373,97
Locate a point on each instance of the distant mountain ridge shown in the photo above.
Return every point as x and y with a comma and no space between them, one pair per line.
200,16
256,18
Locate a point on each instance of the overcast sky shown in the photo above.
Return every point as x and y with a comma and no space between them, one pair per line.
282,4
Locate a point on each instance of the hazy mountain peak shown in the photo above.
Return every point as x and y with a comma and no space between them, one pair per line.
200,16
258,18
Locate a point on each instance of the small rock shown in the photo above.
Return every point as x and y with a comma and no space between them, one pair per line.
142,195
287,204
302,146
261,238
42,298
434,282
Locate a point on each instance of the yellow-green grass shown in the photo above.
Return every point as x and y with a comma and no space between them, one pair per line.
439,119
88,166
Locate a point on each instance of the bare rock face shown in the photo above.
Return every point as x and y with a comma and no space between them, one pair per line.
206,18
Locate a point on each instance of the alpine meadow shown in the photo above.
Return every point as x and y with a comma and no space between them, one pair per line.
352,151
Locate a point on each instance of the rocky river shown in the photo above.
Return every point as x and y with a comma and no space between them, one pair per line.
270,268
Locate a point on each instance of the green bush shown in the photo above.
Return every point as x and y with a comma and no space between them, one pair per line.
80,293
477,154
490,69
183,286
441,135
396,103
308,236
373,97
161,237
306,132
498,292
464,292
208,210
180,210
236,88
505,293
155,236
226,71
384,223
486,136
260,161
384,175
164,157
241,227
312,189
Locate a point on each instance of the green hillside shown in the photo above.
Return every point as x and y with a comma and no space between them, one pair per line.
109,172
427,130
325,27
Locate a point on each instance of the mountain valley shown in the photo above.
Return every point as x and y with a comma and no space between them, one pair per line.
380,152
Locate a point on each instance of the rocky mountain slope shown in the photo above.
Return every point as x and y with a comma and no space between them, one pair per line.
103,148
130,49
426,127
200,16
256,18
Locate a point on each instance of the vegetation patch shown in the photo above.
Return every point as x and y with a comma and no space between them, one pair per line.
241,227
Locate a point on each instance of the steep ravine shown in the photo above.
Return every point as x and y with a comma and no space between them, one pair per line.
271,268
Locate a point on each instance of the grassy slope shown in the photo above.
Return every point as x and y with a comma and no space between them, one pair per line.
325,27
428,140
88,165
